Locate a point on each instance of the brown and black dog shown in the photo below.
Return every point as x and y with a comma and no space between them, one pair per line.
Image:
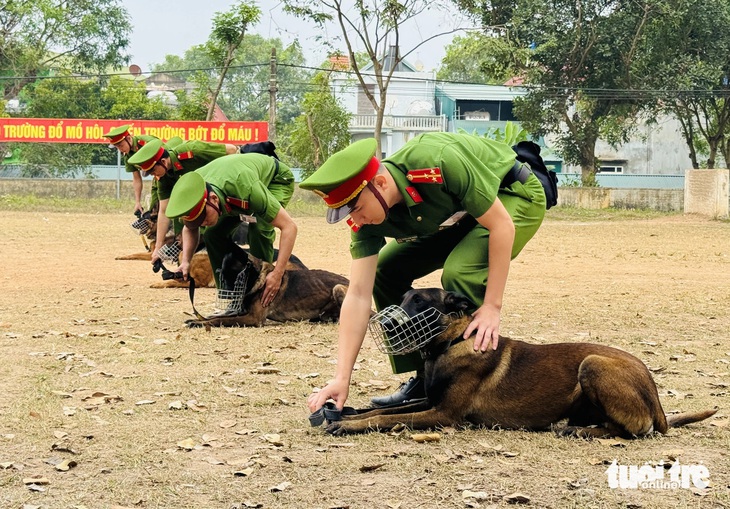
147,222
200,268
601,391
305,294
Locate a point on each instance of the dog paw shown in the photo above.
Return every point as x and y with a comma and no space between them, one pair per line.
193,323
336,428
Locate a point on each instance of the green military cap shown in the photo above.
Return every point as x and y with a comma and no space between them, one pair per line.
117,134
343,176
173,142
188,199
147,157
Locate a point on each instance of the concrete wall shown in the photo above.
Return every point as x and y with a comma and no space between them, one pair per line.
592,198
667,200
71,188
706,192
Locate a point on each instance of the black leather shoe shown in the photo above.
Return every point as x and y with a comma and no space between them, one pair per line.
414,388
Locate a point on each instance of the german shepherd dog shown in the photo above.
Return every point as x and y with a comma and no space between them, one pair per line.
200,268
147,222
305,294
601,391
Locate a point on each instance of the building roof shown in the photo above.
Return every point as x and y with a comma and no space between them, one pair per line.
466,91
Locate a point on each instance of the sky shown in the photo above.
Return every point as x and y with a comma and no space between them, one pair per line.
162,27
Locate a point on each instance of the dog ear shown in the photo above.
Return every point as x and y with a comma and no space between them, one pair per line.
454,302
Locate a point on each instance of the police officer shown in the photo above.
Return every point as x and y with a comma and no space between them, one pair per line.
166,163
442,198
128,145
215,196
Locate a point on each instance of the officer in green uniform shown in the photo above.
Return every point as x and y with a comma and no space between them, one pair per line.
128,145
215,196
167,163
442,198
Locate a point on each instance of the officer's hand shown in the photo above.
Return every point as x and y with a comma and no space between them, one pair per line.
185,269
273,283
337,390
485,321
137,208
155,256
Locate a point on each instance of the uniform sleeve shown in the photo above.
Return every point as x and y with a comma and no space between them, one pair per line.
472,181
130,168
164,187
202,150
363,244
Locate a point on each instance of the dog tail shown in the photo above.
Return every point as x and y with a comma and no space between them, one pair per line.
674,421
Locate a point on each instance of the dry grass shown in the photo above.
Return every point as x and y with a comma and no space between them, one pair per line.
74,322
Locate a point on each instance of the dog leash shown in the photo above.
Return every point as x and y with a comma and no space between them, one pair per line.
168,274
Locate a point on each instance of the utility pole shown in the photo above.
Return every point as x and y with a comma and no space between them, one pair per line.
272,96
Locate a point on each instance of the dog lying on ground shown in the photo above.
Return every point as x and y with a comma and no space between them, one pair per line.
200,268
305,294
147,223
522,386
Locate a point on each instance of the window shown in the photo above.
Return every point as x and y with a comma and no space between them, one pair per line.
612,167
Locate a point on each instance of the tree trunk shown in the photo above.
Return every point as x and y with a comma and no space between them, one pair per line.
588,166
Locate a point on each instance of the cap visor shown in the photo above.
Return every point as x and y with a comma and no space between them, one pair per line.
338,214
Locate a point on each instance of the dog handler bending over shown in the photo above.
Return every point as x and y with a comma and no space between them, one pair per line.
215,196
418,197
166,163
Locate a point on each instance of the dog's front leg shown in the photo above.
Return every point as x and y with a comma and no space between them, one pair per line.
430,418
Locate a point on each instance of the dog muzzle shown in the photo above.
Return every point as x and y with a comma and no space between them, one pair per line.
396,333
171,252
141,226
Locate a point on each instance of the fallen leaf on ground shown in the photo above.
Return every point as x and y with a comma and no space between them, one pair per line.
280,487
426,437
187,444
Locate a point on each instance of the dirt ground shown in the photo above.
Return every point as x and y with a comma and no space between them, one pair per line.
108,401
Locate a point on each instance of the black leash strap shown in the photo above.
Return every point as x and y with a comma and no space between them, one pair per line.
168,274
191,292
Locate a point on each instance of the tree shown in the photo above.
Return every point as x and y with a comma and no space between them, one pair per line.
227,36
689,71
320,131
375,25
244,95
71,97
41,36
582,54
480,58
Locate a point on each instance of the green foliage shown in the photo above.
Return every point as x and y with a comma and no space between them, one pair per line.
224,41
244,95
512,134
576,53
481,58
77,35
320,131
70,97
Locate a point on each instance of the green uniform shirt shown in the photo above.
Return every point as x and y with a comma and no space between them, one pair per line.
246,177
185,157
471,169
136,145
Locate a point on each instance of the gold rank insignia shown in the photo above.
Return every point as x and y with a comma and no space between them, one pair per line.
425,176
185,155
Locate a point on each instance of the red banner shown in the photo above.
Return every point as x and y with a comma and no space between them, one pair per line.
58,130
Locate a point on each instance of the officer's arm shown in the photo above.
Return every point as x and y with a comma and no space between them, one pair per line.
501,238
231,149
288,228
354,315
486,319
190,238
137,186
163,224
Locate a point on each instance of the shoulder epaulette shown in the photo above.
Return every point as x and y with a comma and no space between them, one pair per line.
237,202
425,176
185,155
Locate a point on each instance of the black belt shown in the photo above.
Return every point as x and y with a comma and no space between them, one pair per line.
518,173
